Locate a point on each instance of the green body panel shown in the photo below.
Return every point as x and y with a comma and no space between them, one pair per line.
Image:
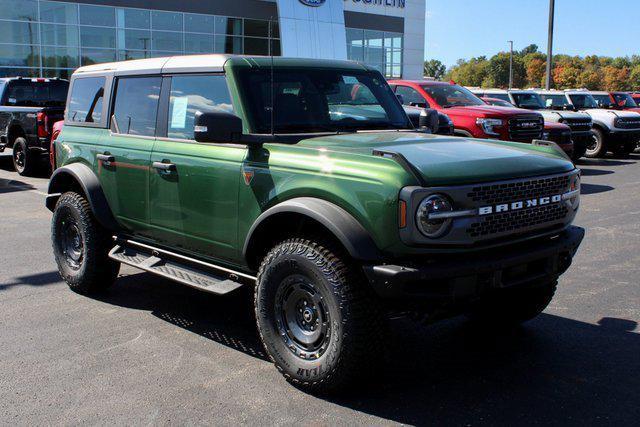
196,207
209,204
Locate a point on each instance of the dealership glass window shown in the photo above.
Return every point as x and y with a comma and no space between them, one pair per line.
253,46
98,37
125,55
61,57
61,73
256,28
21,10
19,32
198,23
59,35
190,94
355,44
228,44
58,13
136,105
18,71
134,18
85,104
378,49
167,21
97,56
134,39
167,40
102,16
19,55
230,26
198,43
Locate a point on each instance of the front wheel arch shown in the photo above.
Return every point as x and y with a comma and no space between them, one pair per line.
308,215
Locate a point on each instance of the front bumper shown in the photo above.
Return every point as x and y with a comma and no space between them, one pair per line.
465,276
620,135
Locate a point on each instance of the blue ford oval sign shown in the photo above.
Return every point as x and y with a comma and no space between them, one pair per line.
313,3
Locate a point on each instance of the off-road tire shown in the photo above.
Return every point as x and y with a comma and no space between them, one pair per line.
24,161
625,148
599,146
353,314
579,151
510,307
84,263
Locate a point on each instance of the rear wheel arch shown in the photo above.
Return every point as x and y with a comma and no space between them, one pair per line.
80,178
307,216
15,131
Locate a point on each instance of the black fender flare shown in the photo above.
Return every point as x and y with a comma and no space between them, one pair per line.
351,234
61,181
602,126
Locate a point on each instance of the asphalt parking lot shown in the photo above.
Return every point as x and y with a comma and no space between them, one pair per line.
152,352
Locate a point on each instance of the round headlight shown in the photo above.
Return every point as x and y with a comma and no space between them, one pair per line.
433,227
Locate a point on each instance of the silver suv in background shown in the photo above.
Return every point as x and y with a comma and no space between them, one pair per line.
615,131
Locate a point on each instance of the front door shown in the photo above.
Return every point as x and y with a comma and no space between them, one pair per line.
193,186
124,159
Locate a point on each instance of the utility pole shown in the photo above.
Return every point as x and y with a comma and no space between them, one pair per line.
552,4
510,64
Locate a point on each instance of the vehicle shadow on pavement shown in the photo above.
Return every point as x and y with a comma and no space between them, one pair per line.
594,188
595,172
40,279
552,370
228,320
13,186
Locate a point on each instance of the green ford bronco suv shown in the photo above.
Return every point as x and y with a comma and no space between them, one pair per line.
305,180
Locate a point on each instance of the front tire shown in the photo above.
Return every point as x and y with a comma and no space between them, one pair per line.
597,147
23,158
81,246
317,320
510,307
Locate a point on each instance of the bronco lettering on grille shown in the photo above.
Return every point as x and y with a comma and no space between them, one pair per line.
520,204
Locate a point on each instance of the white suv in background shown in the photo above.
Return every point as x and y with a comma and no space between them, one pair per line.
616,131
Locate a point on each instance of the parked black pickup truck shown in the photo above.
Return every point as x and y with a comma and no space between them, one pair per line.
28,109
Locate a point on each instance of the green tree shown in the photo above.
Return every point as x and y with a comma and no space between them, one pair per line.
434,68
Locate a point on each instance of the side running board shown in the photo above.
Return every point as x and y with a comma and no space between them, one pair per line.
188,271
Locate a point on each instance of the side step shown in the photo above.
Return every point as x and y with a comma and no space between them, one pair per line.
181,269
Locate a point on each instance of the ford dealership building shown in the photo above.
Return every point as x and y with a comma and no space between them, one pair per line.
52,38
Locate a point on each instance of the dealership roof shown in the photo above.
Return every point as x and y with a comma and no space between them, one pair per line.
207,63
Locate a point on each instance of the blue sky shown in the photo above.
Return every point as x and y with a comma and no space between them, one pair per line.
465,28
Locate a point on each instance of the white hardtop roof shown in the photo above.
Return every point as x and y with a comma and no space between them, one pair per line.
598,92
172,64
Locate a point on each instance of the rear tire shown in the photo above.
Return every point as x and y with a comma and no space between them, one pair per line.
23,159
317,319
510,307
81,246
598,147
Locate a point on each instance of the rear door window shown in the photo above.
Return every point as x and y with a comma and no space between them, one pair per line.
87,97
136,105
190,94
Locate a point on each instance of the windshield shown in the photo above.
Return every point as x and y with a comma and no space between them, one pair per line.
602,100
555,100
308,101
497,102
624,100
530,101
29,93
501,96
583,101
448,96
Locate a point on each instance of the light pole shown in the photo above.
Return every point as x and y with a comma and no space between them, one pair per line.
511,64
552,4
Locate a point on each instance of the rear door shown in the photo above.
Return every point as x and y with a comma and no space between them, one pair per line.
194,186
123,161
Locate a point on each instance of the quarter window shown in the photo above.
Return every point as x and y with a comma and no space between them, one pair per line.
86,102
190,94
136,105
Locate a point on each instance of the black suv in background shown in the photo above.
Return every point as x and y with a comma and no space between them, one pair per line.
28,109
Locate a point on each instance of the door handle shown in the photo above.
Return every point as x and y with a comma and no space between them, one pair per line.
106,158
164,167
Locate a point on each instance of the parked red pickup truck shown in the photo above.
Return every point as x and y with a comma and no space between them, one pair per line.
471,116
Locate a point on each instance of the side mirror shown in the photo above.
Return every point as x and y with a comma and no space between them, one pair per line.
218,126
400,98
429,119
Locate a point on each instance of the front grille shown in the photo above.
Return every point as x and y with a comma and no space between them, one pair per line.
562,138
578,125
519,190
526,128
628,124
517,220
